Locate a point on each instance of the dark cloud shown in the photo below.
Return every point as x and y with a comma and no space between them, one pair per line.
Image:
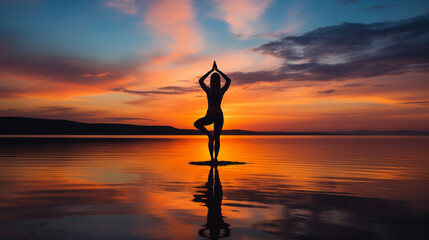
263,35
347,51
327,91
418,102
57,109
17,60
354,85
379,7
55,112
168,90
8,91
253,77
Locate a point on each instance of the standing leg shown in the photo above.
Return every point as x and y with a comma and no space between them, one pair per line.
211,139
199,124
218,124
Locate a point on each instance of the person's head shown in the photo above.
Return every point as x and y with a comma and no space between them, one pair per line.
215,81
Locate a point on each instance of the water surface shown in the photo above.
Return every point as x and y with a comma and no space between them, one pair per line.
291,187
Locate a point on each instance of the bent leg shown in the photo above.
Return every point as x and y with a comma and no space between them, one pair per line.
200,123
218,124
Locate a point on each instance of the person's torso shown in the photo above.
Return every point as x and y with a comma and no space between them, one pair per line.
214,100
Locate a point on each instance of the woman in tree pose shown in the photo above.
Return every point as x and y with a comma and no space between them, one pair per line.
214,112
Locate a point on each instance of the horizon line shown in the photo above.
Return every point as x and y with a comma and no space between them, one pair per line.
270,132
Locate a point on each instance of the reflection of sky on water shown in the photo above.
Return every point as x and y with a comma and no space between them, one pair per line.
292,187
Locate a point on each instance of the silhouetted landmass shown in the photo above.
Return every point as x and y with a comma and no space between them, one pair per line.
216,163
38,126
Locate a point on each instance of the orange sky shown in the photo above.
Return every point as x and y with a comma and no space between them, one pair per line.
274,86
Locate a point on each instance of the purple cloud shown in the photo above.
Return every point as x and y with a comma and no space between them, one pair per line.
348,51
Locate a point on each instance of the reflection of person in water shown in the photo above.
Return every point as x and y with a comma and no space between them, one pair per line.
215,227
214,112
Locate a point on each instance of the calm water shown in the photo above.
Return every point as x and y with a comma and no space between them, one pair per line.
292,187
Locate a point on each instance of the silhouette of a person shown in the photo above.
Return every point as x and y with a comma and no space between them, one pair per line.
215,227
214,112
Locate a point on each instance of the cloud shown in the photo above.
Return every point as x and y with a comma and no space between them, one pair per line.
55,112
348,51
418,102
327,91
241,78
16,61
23,72
354,85
71,113
243,16
59,69
125,6
169,90
98,75
174,20
379,7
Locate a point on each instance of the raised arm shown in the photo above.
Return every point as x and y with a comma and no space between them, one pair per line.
202,84
227,81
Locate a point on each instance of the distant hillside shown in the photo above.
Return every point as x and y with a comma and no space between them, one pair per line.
38,126
19,125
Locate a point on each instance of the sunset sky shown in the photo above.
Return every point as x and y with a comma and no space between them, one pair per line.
295,65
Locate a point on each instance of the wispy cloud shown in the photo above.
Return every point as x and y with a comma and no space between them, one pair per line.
354,85
169,90
417,102
329,91
243,16
55,112
60,69
71,113
174,20
126,6
175,31
379,7
44,72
